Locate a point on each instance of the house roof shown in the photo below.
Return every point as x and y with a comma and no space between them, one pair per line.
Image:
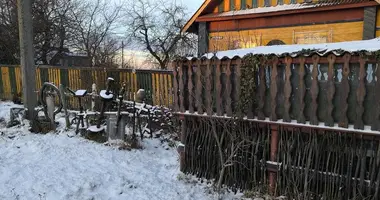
205,11
296,50
189,26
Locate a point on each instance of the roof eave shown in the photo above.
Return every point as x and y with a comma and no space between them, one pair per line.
296,11
190,24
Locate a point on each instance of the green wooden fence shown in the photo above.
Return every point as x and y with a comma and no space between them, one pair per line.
158,84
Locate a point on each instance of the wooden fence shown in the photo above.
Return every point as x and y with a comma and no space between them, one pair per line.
157,83
312,122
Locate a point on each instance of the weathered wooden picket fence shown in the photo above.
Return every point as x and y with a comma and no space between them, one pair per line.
306,126
157,83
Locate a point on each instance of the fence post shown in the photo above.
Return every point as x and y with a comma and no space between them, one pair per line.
181,147
273,157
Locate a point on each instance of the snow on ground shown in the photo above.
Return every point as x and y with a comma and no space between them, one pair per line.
55,166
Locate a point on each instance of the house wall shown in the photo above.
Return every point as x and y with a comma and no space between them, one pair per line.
325,26
336,32
378,23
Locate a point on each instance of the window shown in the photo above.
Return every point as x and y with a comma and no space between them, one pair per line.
293,1
280,2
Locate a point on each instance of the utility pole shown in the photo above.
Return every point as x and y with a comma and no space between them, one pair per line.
28,68
122,54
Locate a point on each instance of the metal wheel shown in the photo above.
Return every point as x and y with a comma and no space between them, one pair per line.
50,89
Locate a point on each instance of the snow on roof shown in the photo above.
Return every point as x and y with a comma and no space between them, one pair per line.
296,49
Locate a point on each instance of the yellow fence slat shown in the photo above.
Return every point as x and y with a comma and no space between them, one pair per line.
166,89
135,79
154,96
170,90
158,90
6,82
18,80
162,89
132,85
73,84
38,79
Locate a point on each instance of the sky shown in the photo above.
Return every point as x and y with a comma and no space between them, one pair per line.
192,5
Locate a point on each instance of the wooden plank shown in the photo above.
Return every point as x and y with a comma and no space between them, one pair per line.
228,90
64,77
181,88
131,86
161,86
198,92
190,86
218,86
135,82
59,77
237,80
6,83
287,89
273,89
261,92
314,90
154,92
1,83
86,79
376,118
360,95
12,79
302,91
208,82
18,78
127,79
166,97
159,91
50,76
330,90
343,122
170,83
175,85
38,79
78,79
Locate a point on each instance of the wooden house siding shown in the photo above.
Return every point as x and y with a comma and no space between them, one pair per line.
335,21
378,22
336,32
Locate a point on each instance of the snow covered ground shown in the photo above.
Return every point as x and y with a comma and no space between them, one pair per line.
55,166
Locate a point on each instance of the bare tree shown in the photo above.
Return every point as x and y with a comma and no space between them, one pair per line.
106,53
156,27
51,27
93,25
9,48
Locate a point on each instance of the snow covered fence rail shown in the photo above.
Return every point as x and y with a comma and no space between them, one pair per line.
307,98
